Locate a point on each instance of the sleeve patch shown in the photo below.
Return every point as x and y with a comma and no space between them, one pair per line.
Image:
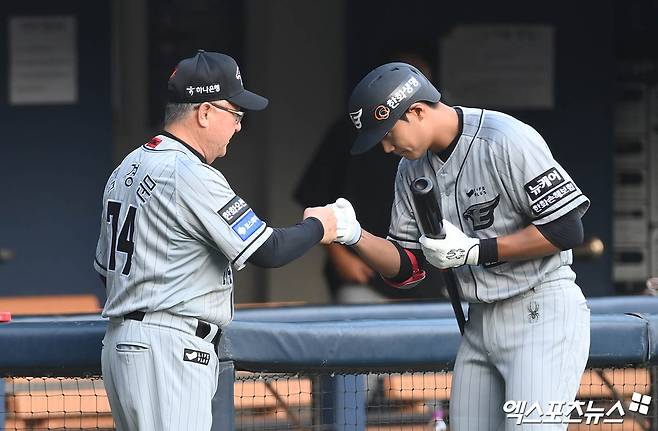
544,183
553,198
247,225
233,210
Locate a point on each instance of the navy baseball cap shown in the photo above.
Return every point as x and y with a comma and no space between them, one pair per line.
380,99
210,76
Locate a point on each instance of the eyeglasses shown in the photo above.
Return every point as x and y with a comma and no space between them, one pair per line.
239,115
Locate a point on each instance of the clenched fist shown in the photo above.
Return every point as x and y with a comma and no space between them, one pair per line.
348,227
327,218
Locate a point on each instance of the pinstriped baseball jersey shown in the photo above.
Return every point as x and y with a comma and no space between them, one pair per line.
500,177
172,230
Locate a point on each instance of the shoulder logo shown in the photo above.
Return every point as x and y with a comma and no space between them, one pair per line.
356,118
153,142
482,214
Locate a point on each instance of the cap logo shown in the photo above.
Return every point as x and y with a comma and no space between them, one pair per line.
382,112
356,118
405,90
237,73
206,89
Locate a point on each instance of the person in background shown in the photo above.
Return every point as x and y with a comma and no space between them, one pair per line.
367,181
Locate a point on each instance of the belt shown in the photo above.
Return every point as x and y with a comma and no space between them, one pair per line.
202,328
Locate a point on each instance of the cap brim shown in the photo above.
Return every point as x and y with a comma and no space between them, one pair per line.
249,101
368,139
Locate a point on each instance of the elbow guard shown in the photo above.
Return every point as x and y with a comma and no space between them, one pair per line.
410,274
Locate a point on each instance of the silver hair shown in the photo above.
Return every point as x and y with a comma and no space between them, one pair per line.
177,111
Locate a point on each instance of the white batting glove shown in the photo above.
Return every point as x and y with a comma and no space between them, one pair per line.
348,228
456,249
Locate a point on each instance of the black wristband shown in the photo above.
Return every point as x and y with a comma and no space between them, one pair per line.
488,251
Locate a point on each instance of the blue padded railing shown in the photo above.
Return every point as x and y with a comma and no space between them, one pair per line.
422,310
72,347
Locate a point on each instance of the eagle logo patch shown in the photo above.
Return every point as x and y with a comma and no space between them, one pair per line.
482,214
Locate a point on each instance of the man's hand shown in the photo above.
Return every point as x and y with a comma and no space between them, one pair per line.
348,227
350,267
456,249
328,220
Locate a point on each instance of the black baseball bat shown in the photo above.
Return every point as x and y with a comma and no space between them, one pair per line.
428,214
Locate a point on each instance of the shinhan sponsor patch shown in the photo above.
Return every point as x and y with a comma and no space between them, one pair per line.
247,225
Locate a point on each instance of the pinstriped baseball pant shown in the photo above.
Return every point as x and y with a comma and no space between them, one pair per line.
532,347
149,385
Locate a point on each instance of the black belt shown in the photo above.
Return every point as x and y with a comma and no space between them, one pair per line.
202,328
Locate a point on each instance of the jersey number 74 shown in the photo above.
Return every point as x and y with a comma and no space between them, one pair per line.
125,242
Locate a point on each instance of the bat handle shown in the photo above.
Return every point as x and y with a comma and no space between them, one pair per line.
427,208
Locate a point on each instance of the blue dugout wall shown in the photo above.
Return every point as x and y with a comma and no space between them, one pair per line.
54,162
324,340
332,338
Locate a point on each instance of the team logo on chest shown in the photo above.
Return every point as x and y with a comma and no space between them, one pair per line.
482,214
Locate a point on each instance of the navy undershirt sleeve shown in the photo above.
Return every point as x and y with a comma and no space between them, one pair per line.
287,244
564,233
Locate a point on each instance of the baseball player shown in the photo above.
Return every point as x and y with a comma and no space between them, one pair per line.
172,233
512,214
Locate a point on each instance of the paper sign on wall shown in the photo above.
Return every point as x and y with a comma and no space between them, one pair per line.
499,66
43,60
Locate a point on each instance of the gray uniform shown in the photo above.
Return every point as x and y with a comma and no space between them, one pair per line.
172,231
527,337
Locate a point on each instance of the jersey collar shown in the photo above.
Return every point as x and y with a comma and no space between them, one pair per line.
185,144
443,155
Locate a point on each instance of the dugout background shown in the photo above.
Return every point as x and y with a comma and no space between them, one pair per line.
305,57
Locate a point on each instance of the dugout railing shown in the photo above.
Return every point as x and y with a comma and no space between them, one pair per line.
310,368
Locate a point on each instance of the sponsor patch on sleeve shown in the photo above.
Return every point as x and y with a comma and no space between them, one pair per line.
544,183
247,225
553,198
233,210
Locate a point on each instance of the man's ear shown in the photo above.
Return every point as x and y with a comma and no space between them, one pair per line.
202,115
418,110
